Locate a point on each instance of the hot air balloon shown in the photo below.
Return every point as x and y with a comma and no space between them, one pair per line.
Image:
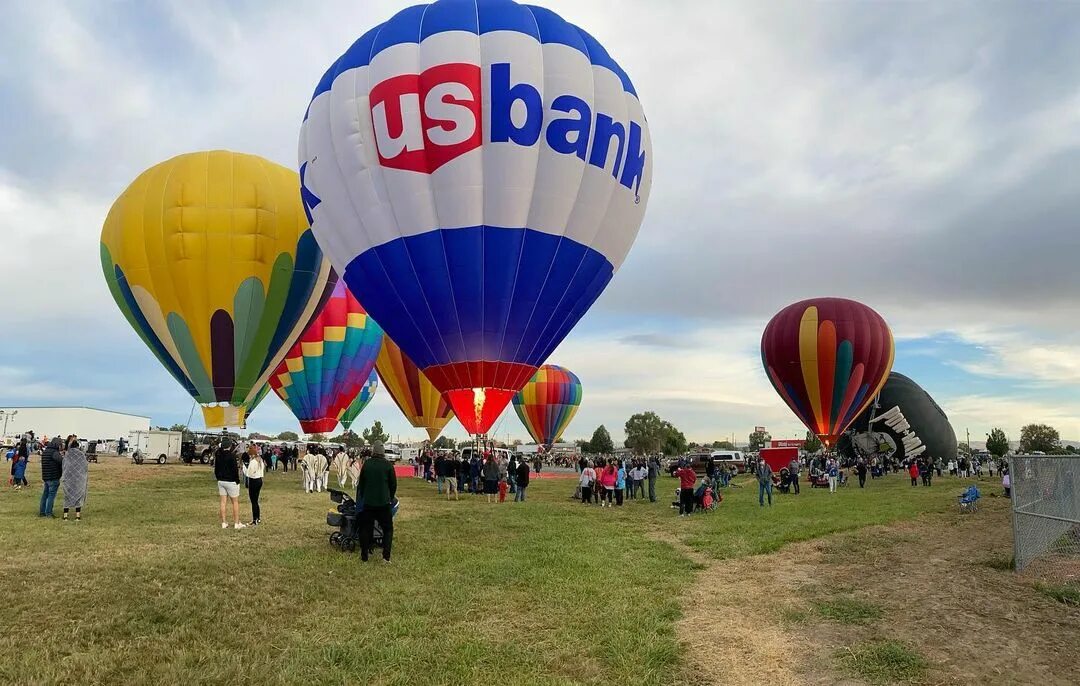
827,358
905,423
415,396
209,257
477,171
326,369
361,401
548,403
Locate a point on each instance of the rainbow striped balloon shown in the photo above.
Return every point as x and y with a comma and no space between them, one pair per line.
548,403
328,367
827,358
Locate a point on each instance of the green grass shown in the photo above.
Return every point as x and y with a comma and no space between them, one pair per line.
884,662
847,610
1004,563
1068,594
149,590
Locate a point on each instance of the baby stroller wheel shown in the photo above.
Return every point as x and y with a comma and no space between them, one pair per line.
335,539
348,544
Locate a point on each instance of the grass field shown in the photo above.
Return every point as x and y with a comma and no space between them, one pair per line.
148,589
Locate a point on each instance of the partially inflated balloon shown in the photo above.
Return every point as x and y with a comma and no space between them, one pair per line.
827,358
326,369
210,259
361,401
415,396
477,171
548,403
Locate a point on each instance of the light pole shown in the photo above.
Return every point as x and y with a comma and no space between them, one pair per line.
7,416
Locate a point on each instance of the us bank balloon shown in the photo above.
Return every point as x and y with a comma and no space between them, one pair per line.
477,171
548,403
327,368
210,259
827,358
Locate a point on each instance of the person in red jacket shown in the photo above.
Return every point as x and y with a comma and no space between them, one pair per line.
913,472
687,478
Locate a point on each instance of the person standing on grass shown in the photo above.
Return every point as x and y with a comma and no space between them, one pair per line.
1006,482
764,477
620,484
637,480
913,472
608,476
793,474
341,466
228,479
18,471
653,471
254,471
925,471
832,471
586,481
52,468
522,478
74,479
490,472
376,492
687,478
860,469
450,468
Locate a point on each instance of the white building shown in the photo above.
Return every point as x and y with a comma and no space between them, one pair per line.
86,422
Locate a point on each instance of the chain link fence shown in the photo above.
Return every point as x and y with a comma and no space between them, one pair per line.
1046,514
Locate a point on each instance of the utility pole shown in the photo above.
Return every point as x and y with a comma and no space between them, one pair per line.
968,432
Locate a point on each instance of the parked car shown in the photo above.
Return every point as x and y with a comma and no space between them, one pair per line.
699,462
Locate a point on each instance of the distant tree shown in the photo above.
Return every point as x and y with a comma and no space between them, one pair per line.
1071,450
997,443
644,433
256,436
601,442
812,443
318,438
673,442
444,442
758,440
963,450
178,427
182,428
516,442
338,439
288,436
1039,438
723,445
376,433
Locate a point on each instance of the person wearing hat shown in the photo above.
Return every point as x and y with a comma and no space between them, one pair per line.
375,490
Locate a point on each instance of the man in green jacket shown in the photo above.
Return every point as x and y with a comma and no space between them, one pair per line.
376,489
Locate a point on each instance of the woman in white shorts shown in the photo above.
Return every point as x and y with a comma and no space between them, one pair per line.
227,474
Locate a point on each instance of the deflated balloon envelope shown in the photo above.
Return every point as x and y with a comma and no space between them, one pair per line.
902,402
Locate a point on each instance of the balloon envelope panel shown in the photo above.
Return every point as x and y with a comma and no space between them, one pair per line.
209,257
827,358
421,403
493,183
326,369
362,400
548,402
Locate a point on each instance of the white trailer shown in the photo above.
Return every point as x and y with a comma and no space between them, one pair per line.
156,446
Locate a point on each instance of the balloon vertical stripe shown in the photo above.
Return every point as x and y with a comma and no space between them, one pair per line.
827,358
548,403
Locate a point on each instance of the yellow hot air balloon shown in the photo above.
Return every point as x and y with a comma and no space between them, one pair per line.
418,400
210,258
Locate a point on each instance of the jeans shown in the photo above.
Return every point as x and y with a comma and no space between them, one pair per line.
763,489
652,489
795,483
48,496
461,483
439,483
254,489
519,495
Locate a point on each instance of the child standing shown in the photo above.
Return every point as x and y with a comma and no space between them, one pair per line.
913,472
503,487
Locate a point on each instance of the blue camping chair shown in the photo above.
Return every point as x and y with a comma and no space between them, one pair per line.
969,500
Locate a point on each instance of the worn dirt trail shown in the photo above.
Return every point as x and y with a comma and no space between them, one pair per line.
750,620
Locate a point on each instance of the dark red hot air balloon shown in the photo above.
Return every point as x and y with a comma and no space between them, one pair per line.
827,358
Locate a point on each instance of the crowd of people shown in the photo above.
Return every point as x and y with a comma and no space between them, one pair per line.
63,469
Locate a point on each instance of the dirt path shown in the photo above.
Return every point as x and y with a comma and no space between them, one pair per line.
757,620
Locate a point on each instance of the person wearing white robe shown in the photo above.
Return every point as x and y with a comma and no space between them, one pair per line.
321,472
341,466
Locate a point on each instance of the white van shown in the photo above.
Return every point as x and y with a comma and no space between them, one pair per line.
729,458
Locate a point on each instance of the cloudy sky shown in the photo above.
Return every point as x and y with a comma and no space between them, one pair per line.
923,158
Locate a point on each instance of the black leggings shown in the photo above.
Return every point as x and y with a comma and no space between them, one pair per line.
586,494
254,488
607,494
686,501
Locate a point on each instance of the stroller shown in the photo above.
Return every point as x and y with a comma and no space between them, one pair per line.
346,517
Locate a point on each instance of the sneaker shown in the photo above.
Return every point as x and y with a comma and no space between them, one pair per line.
385,561
224,525
239,525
